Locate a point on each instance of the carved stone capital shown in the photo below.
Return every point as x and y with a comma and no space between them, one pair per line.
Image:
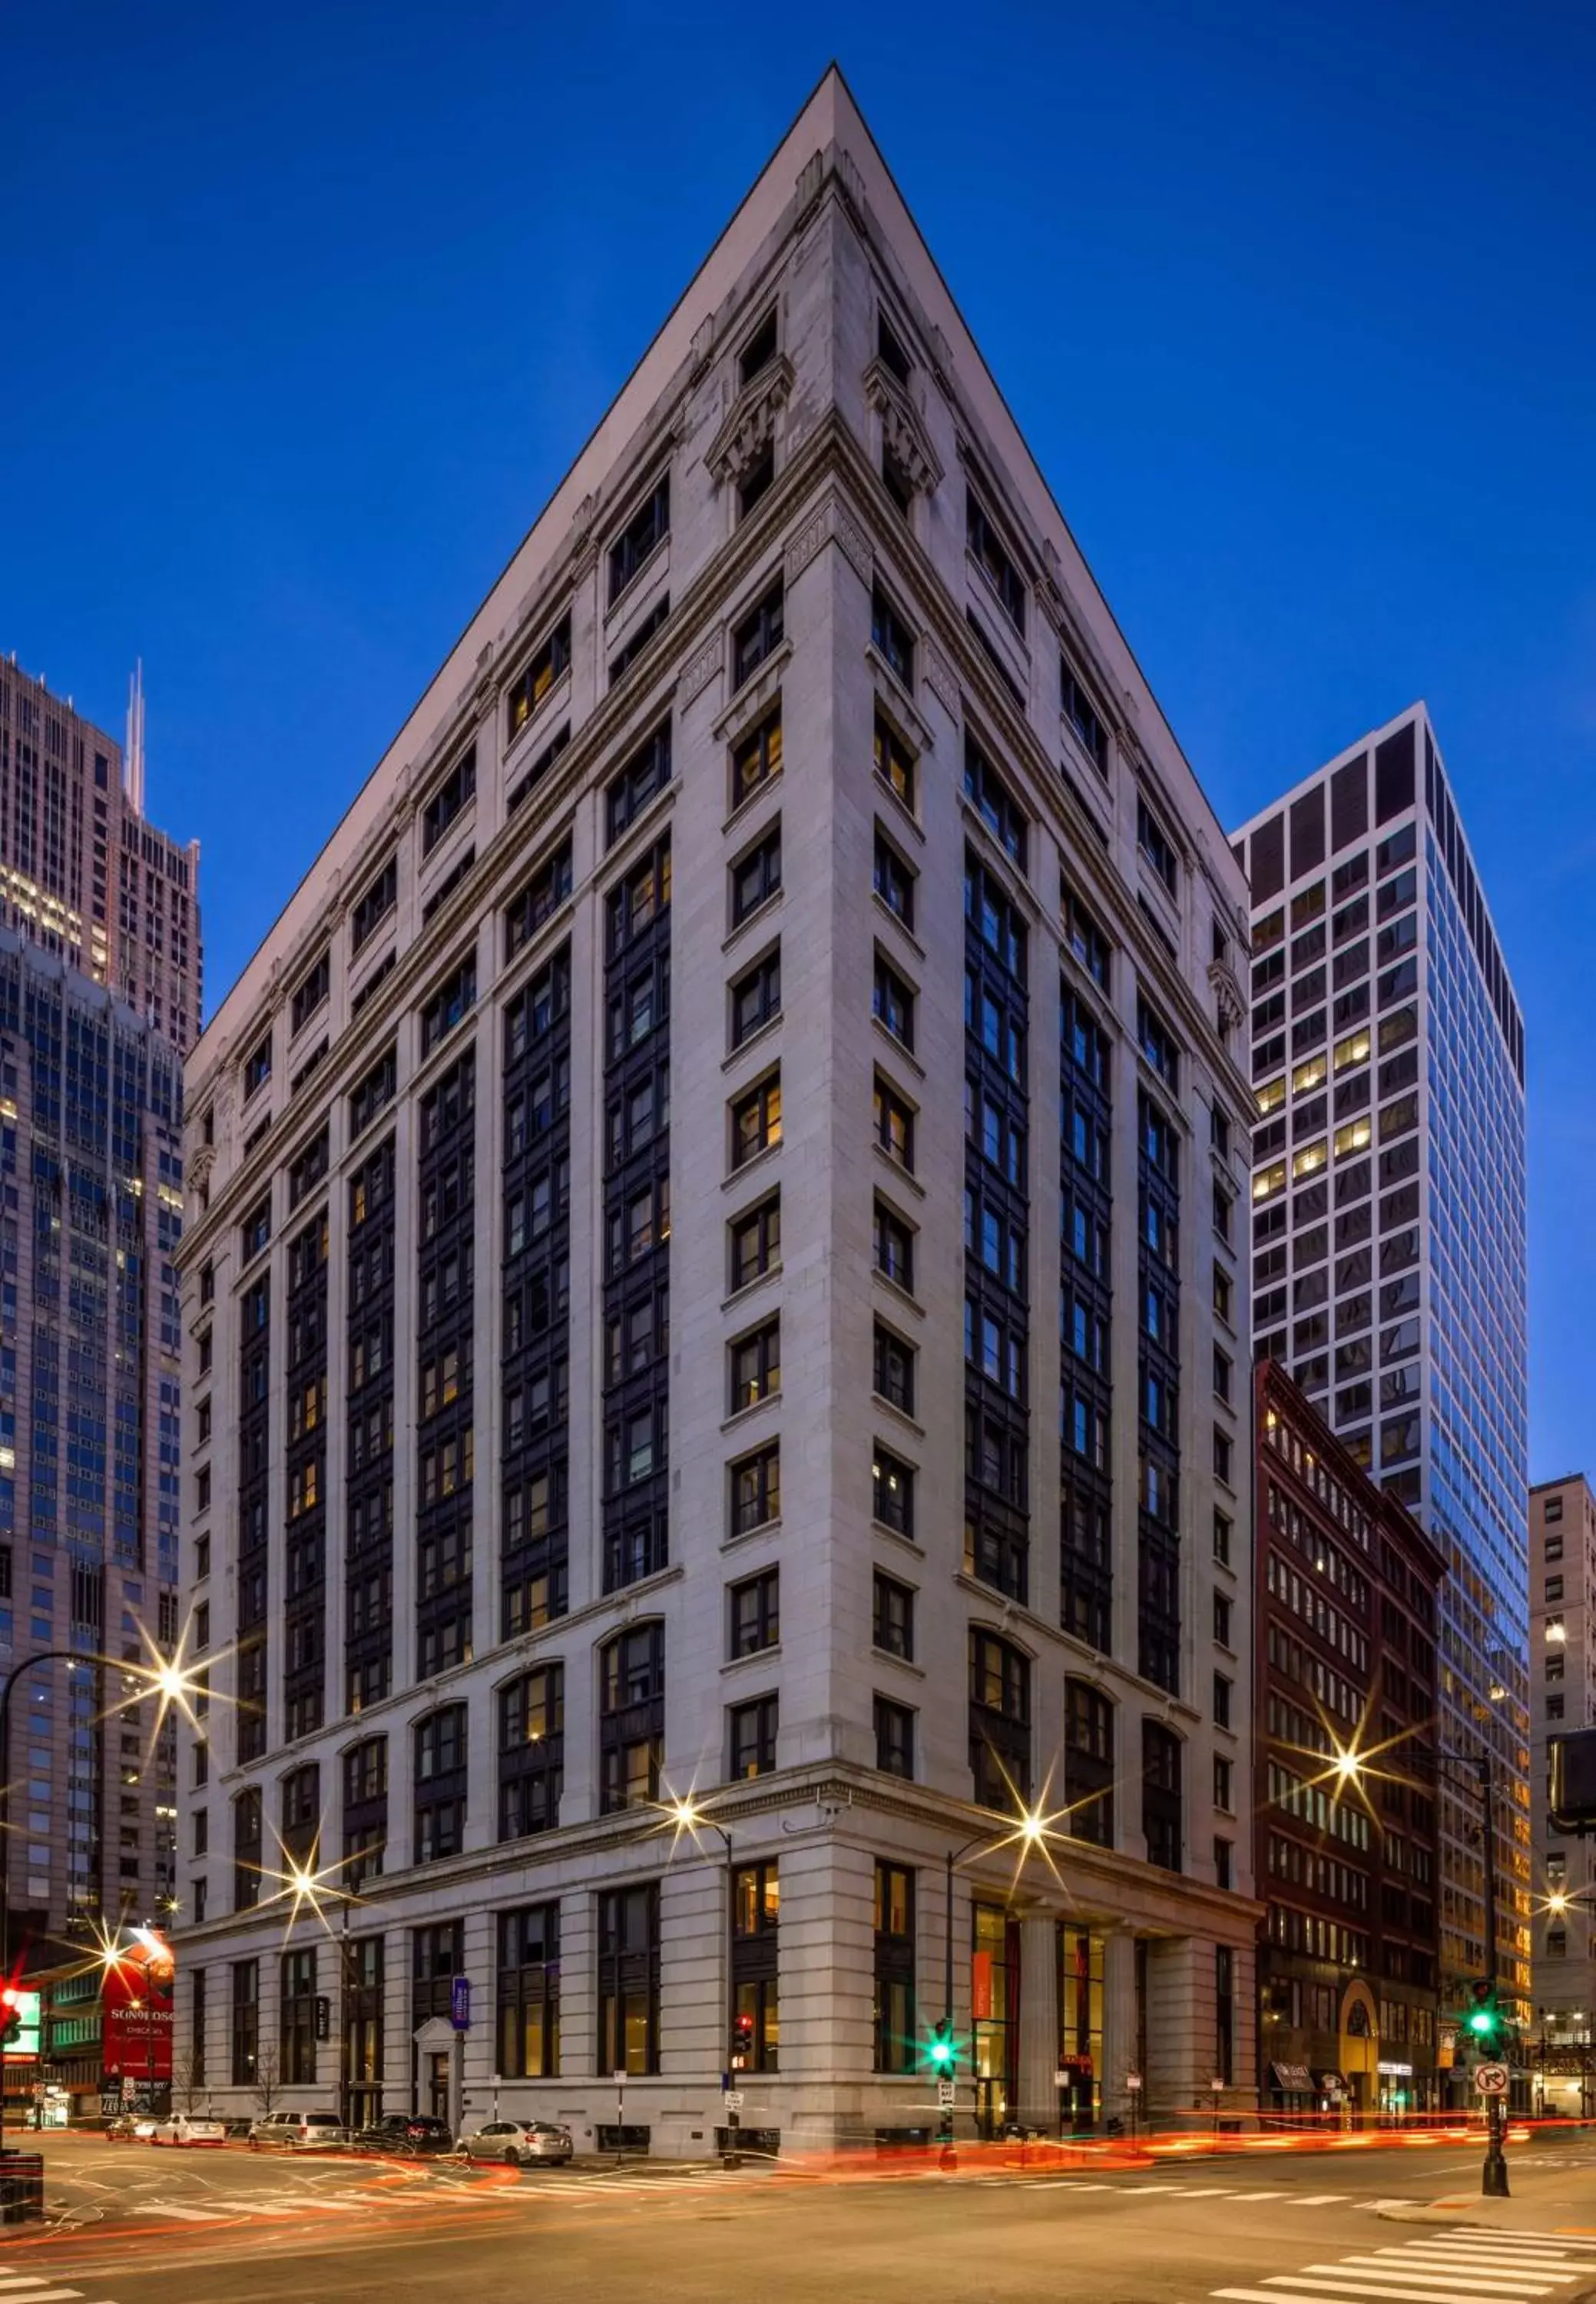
750,426
902,432
1230,999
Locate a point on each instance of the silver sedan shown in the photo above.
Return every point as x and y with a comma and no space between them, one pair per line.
519,2143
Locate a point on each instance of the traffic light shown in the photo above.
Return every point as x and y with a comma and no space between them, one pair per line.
10,2001
1487,2026
940,2054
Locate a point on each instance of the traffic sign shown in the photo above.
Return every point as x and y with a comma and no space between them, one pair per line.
946,2092
1491,2079
1132,2080
732,2099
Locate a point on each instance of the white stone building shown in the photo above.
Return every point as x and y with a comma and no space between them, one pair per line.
796,751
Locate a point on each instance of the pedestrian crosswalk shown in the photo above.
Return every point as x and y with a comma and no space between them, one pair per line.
1457,2264
1155,2188
32,2288
580,2188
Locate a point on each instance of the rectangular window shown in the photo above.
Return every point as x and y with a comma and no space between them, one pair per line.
894,763
450,800
893,1617
750,1735
892,1492
257,1067
893,1003
645,774
310,993
756,997
893,1126
993,803
756,1490
373,907
895,2026
550,661
987,550
893,880
755,1363
649,526
892,637
757,637
528,1995
755,759
756,1121
756,877
454,998
1083,715
755,1243
629,1980
1156,844
755,1611
894,1247
894,1738
894,1370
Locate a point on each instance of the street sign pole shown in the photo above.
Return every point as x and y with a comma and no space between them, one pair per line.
620,2111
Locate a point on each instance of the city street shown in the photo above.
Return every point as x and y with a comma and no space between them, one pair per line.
128,2226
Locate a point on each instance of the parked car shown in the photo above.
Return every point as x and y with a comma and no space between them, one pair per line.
296,2129
189,2128
406,2131
519,2143
130,2128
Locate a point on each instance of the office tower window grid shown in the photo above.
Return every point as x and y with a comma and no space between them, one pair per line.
1086,1588
445,1174
368,1481
305,1617
1158,1273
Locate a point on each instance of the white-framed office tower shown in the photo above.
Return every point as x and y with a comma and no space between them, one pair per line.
1562,1697
1388,1235
788,893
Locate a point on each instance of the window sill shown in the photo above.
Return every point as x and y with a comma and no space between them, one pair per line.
899,699
756,1039
905,1055
899,923
899,1415
896,1536
763,911
751,1287
751,700
772,1655
749,800
897,1292
891,1656
897,1170
747,1534
740,1417
765,1152
616,615
900,806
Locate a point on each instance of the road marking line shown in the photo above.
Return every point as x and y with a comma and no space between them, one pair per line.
193,2216
1480,2232
1212,2192
1276,2193
1494,2272
33,2281
1317,2199
1441,2251
1354,2269
1297,2288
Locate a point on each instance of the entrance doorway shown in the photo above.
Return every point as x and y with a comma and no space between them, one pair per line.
435,2077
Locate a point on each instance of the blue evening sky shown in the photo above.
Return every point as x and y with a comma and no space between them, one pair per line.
308,308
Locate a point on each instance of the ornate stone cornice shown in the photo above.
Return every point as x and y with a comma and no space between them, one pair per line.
902,432
750,426
1227,989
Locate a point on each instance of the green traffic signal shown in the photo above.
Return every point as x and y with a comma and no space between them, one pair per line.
942,2052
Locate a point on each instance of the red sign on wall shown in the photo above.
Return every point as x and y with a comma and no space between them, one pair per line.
136,2010
981,1987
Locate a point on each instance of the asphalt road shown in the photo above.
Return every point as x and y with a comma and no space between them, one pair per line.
129,2226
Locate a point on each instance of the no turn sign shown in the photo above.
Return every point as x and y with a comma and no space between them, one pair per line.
1491,2079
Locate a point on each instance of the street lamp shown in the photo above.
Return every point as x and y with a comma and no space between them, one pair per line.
1028,1830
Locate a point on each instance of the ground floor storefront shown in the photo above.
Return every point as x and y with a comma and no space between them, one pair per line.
788,1963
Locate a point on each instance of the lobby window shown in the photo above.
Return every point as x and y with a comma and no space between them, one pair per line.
756,1918
892,1492
246,2021
758,636
647,527
894,1738
450,800
296,2019
892,637
756,1121
893,1617
894,763
629,1980
550,662
893,1963
528,1994
754,1608
750,1738
756,1490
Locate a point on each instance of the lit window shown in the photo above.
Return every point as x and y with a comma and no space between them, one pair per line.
1270,1180
1353,1050
1271,1095
1308,1075
1353,1137
1310,1158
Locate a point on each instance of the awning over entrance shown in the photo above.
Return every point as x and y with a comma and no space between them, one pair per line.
1296,2080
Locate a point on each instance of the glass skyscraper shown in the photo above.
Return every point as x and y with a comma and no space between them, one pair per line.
1388,1237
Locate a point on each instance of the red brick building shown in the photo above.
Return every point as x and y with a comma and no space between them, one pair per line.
1345,1860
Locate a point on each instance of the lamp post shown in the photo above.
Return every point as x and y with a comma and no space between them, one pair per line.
1029,1830
688,1816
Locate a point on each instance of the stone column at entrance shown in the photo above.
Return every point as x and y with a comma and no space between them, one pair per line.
1119,2022
1039,2022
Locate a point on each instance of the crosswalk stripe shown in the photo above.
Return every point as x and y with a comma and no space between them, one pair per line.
1273,2194
1296,2288
1317,2199
32,2282
193,2215
1351,2274
1212,2192
1427,2273
1435,2251
1570,2240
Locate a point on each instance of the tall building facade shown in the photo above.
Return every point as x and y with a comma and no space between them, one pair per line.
91,1166
1388,1245
82,874
755,1067
1347,1628
1562,1697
